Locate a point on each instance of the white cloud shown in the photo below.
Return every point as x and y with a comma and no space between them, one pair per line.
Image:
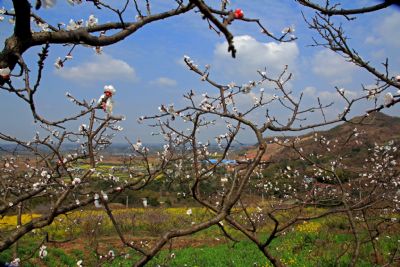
389,28
378,54
253,55
164,82
310,91
333,67
334,96
102,68
328,96
372,40
385,31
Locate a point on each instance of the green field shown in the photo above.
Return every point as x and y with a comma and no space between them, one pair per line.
297,249
324,242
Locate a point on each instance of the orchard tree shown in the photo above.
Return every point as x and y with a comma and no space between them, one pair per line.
56,177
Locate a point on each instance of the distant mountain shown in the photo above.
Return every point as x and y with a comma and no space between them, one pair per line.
377,128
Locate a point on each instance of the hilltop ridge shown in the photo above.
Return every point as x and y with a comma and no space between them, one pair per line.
377,128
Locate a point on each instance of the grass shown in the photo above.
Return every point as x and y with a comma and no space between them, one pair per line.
240,254
297,248
315,243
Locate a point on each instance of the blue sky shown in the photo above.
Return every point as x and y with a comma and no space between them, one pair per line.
147,68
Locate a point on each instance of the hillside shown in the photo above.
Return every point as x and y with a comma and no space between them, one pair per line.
378,128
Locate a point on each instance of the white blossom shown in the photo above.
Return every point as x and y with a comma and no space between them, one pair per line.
42,251
5,73
110,88
44,27
104,195
111,254
138,18
98,50
290,29
372,93
74,25
73,2
92,21
59,63
388,99
138,145
15,262
83,128
76,181
48,3
96,201
109,106
2,11
231,85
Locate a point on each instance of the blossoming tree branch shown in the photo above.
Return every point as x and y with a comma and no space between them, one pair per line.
366,197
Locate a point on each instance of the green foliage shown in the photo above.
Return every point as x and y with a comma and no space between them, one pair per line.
153,202
58,257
